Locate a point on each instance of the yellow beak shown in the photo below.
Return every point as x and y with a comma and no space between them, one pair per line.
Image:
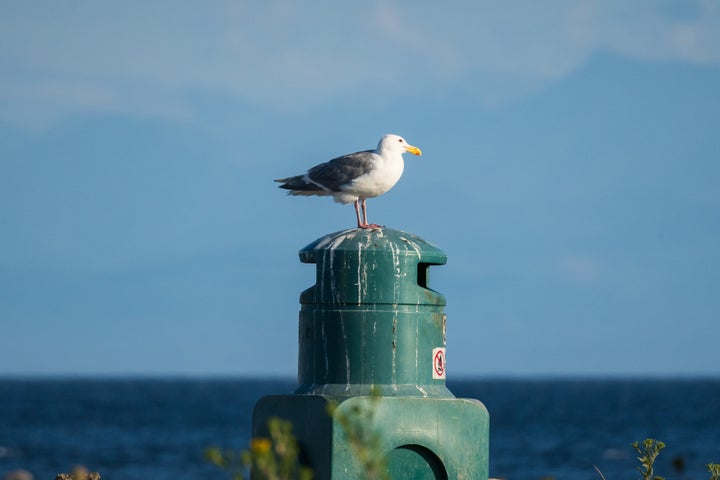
413,150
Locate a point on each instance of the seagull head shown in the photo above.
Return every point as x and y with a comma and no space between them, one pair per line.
396,143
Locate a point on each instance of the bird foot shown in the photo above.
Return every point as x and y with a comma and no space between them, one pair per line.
369,225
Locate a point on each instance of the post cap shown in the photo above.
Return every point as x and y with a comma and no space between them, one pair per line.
372,266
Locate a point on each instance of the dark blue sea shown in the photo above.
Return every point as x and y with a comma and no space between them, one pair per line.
158,428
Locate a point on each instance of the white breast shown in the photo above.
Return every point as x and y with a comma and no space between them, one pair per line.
380,179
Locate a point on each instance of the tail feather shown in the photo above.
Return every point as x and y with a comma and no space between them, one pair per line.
288,179
300,185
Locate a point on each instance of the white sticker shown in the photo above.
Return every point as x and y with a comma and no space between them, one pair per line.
439,364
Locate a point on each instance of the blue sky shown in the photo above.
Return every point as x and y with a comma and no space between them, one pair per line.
569,170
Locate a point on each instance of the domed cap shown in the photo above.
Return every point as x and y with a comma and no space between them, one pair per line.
373,266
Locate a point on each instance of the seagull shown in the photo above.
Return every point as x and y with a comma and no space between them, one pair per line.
355,177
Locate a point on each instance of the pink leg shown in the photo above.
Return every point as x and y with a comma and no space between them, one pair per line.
365,222
357,213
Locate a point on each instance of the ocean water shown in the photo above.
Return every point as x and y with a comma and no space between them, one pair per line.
158,428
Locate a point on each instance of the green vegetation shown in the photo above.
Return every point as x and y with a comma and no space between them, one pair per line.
277,457
648,451
714,469
365,441
78,473
274,458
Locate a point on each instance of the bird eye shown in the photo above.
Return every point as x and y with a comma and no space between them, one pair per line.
400,140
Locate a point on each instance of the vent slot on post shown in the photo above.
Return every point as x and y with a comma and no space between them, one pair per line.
423,274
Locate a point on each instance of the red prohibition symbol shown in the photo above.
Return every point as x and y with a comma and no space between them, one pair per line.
439,363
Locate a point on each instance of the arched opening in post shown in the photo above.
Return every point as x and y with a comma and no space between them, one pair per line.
415,462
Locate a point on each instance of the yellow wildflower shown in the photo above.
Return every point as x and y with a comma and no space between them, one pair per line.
260,445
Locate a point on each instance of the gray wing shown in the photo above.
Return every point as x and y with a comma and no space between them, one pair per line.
333,174
341,170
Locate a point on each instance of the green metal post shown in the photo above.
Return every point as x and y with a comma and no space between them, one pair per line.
372,339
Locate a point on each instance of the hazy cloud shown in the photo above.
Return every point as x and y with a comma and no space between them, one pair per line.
580,268
148,58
